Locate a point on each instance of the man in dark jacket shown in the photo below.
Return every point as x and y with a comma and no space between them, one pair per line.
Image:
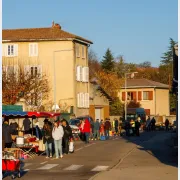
14,127
116,125
7,132
96,129
26,124
67,136
107,128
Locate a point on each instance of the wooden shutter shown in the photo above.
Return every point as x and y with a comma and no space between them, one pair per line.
78,73
4,49
87,74
35,49
134,96
123,96
139,95
83,74
39,70
15,49
86,100
78,100
150,95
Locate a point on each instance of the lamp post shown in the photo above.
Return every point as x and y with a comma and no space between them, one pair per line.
125,104
54,67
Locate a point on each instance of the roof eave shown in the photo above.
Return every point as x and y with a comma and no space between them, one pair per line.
138,87
29,40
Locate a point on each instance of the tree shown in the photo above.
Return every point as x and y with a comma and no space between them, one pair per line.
167,57
107,63
116,108
109,82
145,64
94,64
133,104
16,84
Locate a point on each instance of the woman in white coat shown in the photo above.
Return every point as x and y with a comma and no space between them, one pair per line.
57,135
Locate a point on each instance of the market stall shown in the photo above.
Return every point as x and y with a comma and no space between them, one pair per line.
28,143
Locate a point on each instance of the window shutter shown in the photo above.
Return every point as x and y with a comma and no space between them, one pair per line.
86,100
27,71
35,49
134,96
15,49
83,100
39,67
78,74
83,74
16,68
30,49
4,49
87,74
150,95
78,100
123,96
139,95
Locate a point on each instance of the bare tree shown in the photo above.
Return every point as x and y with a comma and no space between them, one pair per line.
20,82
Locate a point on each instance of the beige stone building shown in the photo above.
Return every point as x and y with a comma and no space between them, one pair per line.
153,96
56,53
99,102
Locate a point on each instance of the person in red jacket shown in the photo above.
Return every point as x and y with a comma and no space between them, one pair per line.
87,128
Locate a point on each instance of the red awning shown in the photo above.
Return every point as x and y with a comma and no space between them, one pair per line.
43,114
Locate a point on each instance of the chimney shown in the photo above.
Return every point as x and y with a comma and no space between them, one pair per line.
56,25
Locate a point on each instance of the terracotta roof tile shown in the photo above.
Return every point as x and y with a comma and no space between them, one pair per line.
38,34
145,83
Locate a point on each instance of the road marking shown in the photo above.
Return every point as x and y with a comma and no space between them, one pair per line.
100,168
48,166
26,169
27,164
78,149
89,145
73,167
44,162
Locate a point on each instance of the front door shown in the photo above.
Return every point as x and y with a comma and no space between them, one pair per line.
98,113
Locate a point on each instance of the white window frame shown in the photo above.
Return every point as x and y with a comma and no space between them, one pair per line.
12,47
33,49
83,52
27,69
78,50
15,70
143,96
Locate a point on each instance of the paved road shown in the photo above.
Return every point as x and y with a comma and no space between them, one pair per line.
87,160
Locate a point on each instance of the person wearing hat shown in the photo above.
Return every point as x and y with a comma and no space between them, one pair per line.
6,133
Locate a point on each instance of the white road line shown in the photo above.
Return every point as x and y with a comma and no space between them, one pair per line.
26,169
48,166
27,164
44,162
89,145
78,149
100,168
73,167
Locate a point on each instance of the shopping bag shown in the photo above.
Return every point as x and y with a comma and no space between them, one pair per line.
102,138
71,147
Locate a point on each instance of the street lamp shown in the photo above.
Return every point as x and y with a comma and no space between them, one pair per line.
125,105
55,106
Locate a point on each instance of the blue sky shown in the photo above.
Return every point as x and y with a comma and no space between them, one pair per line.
137,29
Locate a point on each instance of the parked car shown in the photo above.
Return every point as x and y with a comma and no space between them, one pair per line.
74,123
86,117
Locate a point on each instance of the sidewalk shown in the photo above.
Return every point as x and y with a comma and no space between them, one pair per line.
154,159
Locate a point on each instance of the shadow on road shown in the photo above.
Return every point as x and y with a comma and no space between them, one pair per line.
158,144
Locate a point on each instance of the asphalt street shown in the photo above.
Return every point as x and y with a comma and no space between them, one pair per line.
85,162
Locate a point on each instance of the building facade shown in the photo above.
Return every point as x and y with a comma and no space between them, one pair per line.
62,56
152,96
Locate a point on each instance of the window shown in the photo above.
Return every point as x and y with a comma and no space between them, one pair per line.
11,71
33,49
145,95
77,50
33,71
85,74
129,96
79,73
83,100
83,52
11,50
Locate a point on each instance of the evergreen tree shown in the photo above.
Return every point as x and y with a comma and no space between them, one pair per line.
168,56
108,62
